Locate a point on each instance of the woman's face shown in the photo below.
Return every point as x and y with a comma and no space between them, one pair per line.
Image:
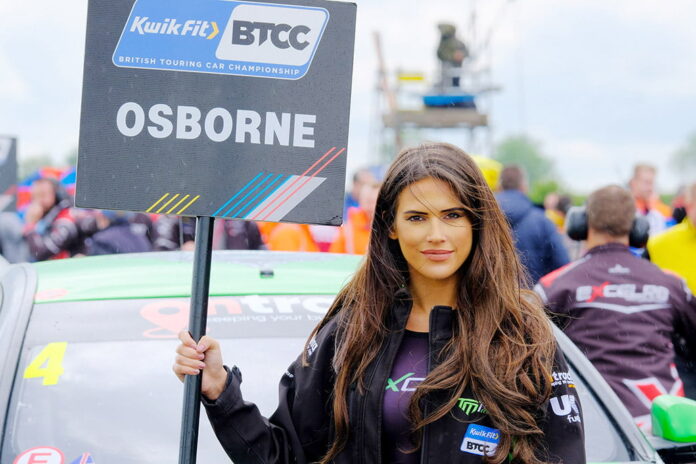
433,231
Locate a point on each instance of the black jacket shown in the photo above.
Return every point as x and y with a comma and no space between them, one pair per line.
300,430
56,235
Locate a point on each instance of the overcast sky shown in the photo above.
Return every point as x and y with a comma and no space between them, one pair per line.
601,85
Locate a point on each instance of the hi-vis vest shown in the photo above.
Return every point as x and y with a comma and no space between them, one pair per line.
675,250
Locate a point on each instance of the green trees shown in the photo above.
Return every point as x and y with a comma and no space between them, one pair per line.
527,153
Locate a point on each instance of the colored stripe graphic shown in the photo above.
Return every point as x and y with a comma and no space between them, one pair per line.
156,203
251,202
266,217
247,195
167,203
270,197
237,194
188,204
307,186
255,217
183,199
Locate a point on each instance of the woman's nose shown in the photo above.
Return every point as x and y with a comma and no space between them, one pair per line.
436,231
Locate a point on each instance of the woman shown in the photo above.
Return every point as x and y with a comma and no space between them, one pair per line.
432,353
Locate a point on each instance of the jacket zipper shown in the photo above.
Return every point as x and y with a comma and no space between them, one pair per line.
363,407
424,438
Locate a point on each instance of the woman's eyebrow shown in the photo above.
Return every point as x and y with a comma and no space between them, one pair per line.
412,211
458,209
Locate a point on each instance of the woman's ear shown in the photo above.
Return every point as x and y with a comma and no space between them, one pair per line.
392,233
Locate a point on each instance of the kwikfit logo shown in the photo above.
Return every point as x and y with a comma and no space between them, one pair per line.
169,26
272,34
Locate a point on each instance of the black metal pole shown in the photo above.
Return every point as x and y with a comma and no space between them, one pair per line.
197,321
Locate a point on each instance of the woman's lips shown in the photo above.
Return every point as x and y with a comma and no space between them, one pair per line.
437,255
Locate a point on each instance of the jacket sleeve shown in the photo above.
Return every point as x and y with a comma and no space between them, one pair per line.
556,301
298,431
562,424
62,235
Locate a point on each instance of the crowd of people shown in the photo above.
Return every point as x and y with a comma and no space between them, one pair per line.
53,229
627,302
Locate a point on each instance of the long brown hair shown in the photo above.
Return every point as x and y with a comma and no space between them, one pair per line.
502,345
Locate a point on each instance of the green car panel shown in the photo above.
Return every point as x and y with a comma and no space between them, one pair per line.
169,275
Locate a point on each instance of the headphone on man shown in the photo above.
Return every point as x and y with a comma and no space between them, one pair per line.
576,227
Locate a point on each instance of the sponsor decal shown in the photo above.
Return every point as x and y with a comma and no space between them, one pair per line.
565,405
649,388
562,378
619,269
312,346
222,37
405,383
480,440
171,316
470,406
48,364
84,458
50,294
628,292
41,455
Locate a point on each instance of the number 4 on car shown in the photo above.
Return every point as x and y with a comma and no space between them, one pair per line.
47,364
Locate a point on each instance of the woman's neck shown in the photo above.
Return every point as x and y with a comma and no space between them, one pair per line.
426,295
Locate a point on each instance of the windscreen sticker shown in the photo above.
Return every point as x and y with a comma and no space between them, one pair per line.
84,458
50,294
171,317
41,455
48,364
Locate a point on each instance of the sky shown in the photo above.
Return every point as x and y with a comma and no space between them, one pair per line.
600,85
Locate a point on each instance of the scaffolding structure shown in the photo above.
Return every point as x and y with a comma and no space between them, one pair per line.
398,119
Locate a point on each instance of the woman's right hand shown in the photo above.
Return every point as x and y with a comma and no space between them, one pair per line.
205,355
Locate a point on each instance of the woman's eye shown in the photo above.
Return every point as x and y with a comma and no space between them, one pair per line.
415,218
453,216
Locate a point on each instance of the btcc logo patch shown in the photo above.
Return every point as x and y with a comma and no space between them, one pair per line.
480,440
280,35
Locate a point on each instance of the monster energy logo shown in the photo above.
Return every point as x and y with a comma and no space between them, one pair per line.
470,406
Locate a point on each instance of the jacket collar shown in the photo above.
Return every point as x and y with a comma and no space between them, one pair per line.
441,317
608,247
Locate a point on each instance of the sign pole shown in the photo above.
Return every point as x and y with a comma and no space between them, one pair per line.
197,322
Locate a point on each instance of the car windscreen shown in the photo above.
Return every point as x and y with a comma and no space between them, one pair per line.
95,377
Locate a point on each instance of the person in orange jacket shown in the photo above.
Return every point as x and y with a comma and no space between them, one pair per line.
291,237
354,236
648,204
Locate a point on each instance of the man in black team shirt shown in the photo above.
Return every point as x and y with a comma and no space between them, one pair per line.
620,310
